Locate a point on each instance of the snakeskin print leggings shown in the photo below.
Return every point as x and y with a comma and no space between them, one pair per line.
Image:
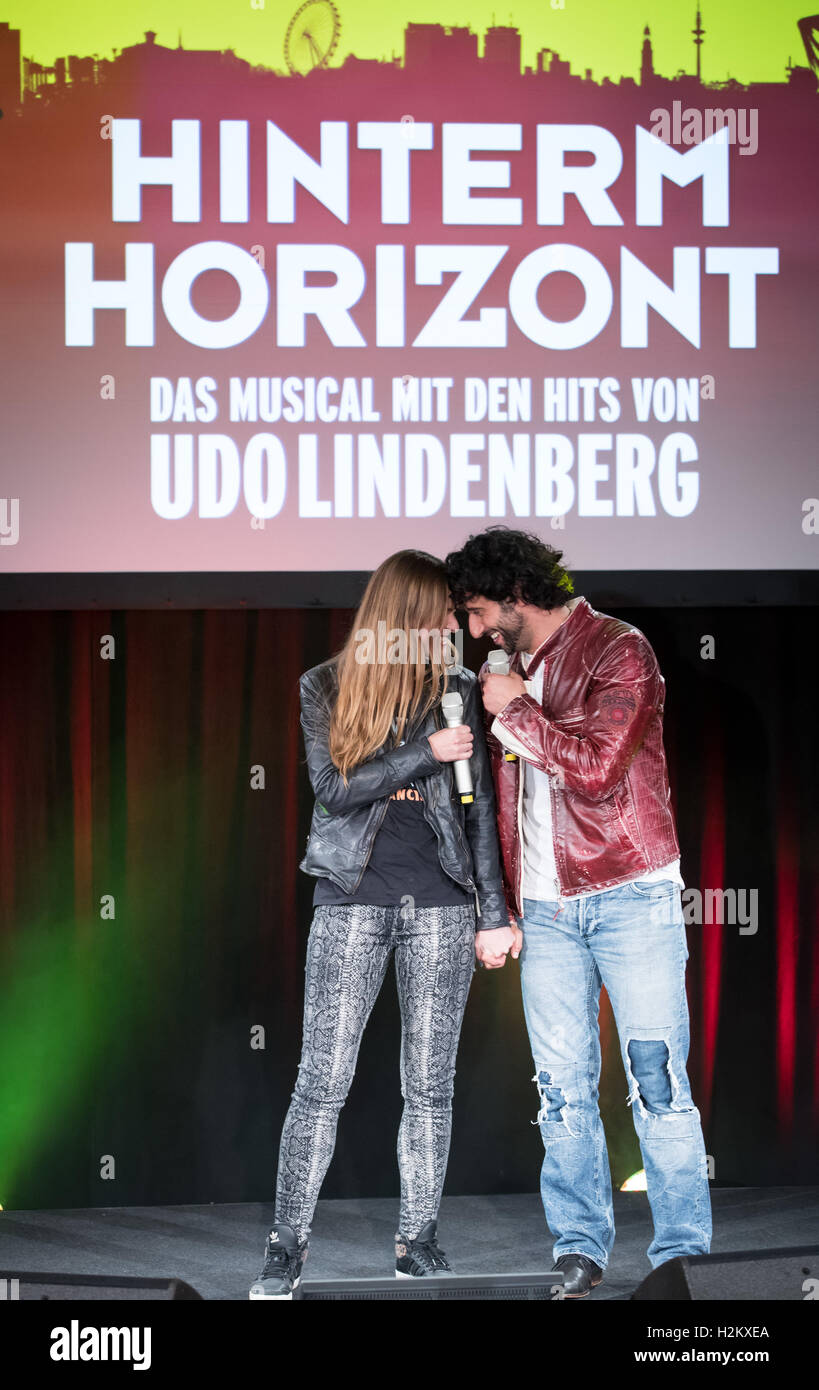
348,953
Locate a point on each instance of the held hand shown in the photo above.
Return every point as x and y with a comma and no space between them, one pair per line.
492,946
449,745
497,691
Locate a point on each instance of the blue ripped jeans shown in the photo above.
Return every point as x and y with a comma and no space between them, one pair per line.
632,940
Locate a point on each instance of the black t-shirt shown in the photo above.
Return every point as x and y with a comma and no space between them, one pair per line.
403,862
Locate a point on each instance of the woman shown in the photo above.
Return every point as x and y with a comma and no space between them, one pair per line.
402,866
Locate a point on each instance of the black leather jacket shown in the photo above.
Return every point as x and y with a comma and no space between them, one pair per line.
346,819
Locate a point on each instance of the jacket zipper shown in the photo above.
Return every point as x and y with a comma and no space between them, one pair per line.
372,842
553,805
519,818
560,901
469,882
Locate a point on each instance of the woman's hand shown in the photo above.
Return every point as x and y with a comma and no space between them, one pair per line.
492,946
449,745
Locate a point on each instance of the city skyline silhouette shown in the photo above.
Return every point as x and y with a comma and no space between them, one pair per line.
324,36
439,52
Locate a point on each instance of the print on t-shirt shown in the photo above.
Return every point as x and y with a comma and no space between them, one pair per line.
404,861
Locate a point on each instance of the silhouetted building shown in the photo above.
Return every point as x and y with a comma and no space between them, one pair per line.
152,62
37,76
801,79
502,45
647,60
9,67
81,69
39,80
555,66
438,48
362,67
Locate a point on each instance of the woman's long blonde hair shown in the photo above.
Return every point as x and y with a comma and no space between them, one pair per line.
409,591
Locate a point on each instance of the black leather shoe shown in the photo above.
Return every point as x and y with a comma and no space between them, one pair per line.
580,1274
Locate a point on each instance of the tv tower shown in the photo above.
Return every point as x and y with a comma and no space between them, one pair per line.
698,33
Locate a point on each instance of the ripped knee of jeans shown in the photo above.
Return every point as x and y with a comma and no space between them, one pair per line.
653,1084
556,1102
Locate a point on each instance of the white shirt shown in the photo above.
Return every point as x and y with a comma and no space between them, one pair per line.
539,869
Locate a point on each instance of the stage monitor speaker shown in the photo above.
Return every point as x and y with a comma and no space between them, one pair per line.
791,1273
450,1288
15,1285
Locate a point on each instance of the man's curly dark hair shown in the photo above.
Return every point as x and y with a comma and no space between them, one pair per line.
503,565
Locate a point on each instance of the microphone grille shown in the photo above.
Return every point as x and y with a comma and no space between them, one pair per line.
452,701
498,662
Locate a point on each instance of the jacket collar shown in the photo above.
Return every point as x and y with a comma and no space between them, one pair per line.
579,609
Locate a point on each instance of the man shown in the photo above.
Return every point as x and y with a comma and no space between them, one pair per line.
592,875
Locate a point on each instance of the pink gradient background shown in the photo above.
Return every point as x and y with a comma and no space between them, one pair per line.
80,465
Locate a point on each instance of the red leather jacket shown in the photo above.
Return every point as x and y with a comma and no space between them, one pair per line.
599,735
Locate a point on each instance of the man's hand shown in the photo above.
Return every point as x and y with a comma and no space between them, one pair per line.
493,945
497,691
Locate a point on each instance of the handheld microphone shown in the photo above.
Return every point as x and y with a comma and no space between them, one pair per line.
452,708
499,666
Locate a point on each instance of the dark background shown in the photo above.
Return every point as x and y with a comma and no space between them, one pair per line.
131,1037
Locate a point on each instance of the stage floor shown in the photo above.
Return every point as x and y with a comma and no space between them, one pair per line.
219,1249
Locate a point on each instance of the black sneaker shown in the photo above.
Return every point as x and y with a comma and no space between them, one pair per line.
283,1263
421,1256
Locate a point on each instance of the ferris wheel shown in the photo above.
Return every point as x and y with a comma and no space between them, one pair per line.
312,36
